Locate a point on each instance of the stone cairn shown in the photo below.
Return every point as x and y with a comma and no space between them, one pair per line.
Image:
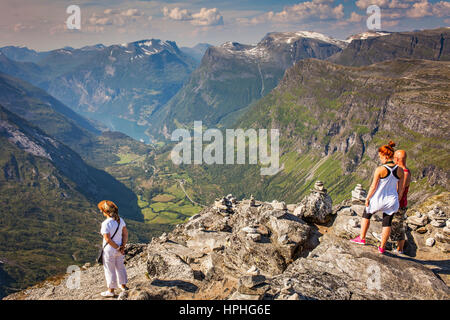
232,199
437,217
317,206
418,222
253,283
319,188
435,225
276,205
252,233
252,201
359,195
224,205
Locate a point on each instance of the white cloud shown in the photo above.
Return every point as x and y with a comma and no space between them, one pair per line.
311,9
19,27
177,14
399,4
354,17
111,11
389,23
364,4
419,10
415,9
206,17
131,13
442,9
115,17
301,12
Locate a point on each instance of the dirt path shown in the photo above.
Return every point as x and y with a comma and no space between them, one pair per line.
181,182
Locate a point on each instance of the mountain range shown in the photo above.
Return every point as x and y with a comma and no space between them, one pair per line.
233,75
120,86
335,102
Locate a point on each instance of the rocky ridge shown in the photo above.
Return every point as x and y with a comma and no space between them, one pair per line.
372,47
259,250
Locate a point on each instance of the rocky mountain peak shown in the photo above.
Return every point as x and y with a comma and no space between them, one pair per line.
147,47
94,47
291,37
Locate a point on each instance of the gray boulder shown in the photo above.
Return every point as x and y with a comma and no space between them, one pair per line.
338,269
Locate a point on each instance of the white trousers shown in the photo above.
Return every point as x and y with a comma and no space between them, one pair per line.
115,272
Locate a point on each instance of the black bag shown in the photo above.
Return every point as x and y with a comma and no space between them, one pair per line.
100,253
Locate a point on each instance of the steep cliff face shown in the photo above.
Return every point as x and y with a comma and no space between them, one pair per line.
426,44
258,250
233,75
333,118
92,183
38,107
45,221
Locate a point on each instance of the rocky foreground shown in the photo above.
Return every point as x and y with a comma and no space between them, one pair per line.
258,250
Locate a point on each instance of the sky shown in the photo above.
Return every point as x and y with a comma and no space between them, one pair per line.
41,24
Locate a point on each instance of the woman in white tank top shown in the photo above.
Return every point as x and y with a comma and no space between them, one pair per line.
384,194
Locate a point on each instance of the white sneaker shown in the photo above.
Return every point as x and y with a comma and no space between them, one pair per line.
107,293
124,289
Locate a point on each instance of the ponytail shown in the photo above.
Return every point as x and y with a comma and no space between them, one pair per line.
110,208
388,149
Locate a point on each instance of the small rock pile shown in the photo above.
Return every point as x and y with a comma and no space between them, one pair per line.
251,286
434,226
224,206
317,207
359,195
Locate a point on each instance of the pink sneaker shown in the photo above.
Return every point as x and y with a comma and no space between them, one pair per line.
358,240
381,250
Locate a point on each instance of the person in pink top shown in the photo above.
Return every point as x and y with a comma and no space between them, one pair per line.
398,231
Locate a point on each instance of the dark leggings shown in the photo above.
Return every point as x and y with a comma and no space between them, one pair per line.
387,219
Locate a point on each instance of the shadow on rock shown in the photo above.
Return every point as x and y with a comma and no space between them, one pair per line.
183,285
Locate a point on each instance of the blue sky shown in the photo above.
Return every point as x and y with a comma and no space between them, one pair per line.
41,24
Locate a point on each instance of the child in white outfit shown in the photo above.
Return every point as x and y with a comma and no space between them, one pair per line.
115,236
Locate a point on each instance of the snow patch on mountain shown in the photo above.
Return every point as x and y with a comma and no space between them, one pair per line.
22,141
367,35
291,37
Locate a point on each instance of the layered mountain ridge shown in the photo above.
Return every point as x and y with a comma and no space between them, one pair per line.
425,44
234,75
119,85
